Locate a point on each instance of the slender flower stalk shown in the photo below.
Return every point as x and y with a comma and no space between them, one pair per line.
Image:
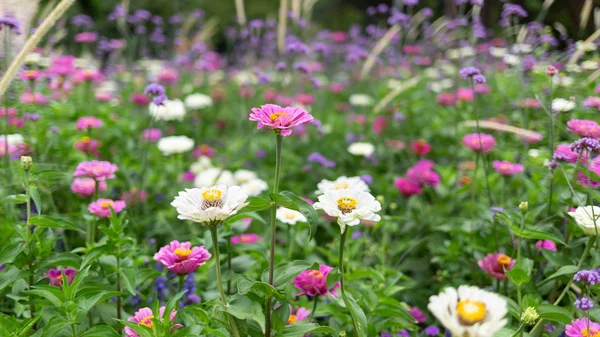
344,297
26,164
119,283
551,150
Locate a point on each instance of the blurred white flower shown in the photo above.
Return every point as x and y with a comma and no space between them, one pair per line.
562,105
198,101
170,110
244,176
497,52
209,206
573,68
13,139
352,183
360,100
33,59
175,144
201,164
361,149
589,65
254,187
511,59
213,176
521,48
585,46
587,218
289,216
563,81
349,206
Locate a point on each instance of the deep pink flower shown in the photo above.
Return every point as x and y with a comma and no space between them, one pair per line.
88,145
89,75
412,49
420,147
584,128
482,89
99,170
464,94
12,112
181,258
507,168
101,207
446,99
546,244
582,178
245,239
152,135
407,187
188,176
494,264
86,37
144,317
299,315
592,102
62,65
140,99
27,97
479,142
379,125
282,120
85,187
422,173
305,99
88,122
314,282
336,88
582,327
169,76
563,152
31,75
417,314
56,278
204,150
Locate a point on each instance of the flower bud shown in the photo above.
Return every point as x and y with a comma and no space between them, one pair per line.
529,316
524,206
26,163
551,71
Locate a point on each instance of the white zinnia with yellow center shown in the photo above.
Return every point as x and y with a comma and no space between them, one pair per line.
469,311
587,219
353,183
349,206
210,205
289,216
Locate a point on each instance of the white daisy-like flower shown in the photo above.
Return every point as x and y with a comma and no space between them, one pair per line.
589,65
498,52
289,216
585,46
209,205
361,149
202,163
587,218
214,176
343,182
522,48
563,81
175,144
349,206
469,311
511,59
562,105
360,100
198,101
573,68
244,176
168,111
254,187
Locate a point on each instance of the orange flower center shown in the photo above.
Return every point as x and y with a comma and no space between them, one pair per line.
85,139
276,115
470,312
182,252
504,260
316,274
592,332
292,319
147,321
106,204
246,238
346,204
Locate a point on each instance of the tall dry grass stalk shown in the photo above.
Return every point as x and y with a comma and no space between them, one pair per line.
32,42
282,26
490,125
579,52
584,16
392,94
240,12
377,49
297,8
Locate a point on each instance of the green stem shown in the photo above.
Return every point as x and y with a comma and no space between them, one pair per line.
483,157
229,267
346,301
272,238
551,151
73,332
180,280
215,242
591,200
314,308
118,284
27,238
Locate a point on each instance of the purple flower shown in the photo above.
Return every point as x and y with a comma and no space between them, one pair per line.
589,277
56,278
584,303
11,24
510,10
367,179
82,20
411,2
432,330
478,79
549,327
316,157
589,144
356,235
417,314
469,72
154,89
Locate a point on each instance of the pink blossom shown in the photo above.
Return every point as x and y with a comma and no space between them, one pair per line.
582,178
420,147
245,239
482,89
530,103
134,196
246,91
494,264
422,173
563,152
56,278
85,187
30,75
299,314
412,49
188,177
584,128
12,112
204,150
464,94
169,76
101,207
103,96
336,88
270,94
314,282
280,119
88,122
152,135
86,37
27,97
89,75
479,142
99,170
88,145
144,317
446,99
181,258
592,102
140,99
379,125
546,244
305,99
407,187
417,314
582,327
62,65
507,168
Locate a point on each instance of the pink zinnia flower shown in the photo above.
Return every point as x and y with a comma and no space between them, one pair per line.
85,187
101,207
530,103
245,239
420,147
56,278
336,88
99,170
204,150
407,187
168,76
314,282
181,258
11,112
482,89
563,152
30,75
592,102
446,99
494,264
582,327
282,120
152,135
89,75
134,196
140,99
299,315
103,96
88,145
379,125
247,91
417,314
507,168
86,37
144,317
464,94
582,178
479,142
422,173
305,99
584,128
27,97
88,122
412,49
546,244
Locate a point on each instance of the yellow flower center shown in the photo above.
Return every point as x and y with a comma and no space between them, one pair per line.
592,332
85,139
470,312
276,115
97,169
106,204
290,215
316,274
246,238
292,319
504,166
341,186
30,73
346,204
182,252
212,194
59,277
147,321
504,260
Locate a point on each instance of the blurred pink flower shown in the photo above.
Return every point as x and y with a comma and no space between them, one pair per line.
584,128
245,239
482,88
479,142
86,37
140,99
88,122
494,264
420,147
379,125
101,207
314,282
546,244
99,170
507,168
407,187
299,315
305,99
56,278
464,94
168,76
181,258
446,99
563,152
89,75
204,150
144,317
280,119
85,187
417,314
88,145
152,135
336,87
134,196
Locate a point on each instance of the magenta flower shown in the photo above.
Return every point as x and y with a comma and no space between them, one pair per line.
99,170
87,76
479,142
85,187
582,178
563,152
584,128
582,327
417,314
494,264
422,173
152,135
592,102
546,245
507,168
420,147
101,207
446,99
139,99
56,278
86,37
31,75
87,145
282,120
464,94
299,315
245,239
181,258
407,187
144,317
314,282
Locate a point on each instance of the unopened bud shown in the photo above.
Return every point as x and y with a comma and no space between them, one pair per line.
26,163
524,206
529,316
551,71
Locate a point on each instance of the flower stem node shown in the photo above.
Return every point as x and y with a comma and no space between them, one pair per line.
529,316
524,206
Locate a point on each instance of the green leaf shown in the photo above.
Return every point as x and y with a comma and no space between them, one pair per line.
255,204
10,252
100,331
333,277
300,329
564,270
35,196
517,276
239,217
358,316
554,313
52,293
307,210
128,278
53,328
285,272
246,284
284,201
47,221
26,327
532,233
15,199
8,277
142,330
243,308
281,316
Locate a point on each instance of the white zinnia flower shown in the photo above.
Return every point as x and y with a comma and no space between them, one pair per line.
203,163
589,65
469,311
352,183
244,176
360,100
497,52
198,101
210,205
170,110
175,144
213,176
349,206
563,81
361,149
13,139
587,219
562,105
289,216
254,187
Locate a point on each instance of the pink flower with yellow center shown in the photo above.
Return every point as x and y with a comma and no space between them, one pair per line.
181,258
144,317
85,187
495,264
99,170
56,278
88,122
583,328
101,207
245,239
479,142
507,168
584,128
282,120
299,315
314,282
